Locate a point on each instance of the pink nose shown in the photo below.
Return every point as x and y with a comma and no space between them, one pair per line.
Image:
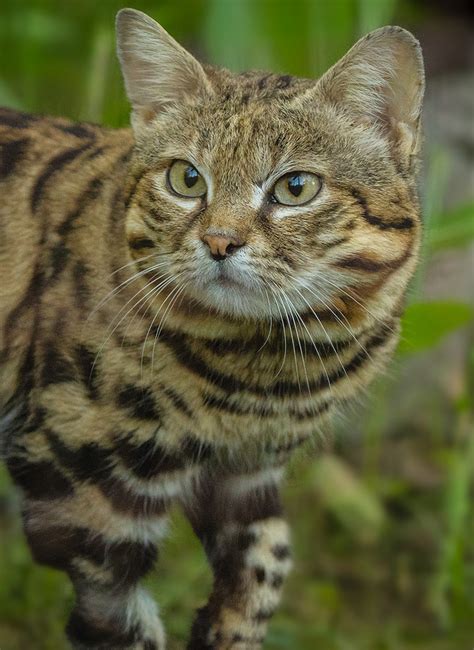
222,246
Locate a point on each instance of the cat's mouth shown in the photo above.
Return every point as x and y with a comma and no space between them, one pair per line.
229,290
224,278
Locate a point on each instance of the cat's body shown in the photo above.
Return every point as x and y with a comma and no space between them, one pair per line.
142,366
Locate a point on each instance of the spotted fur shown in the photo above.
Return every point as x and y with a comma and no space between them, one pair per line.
138,371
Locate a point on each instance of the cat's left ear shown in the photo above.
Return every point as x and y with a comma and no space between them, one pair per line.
381,81
156,69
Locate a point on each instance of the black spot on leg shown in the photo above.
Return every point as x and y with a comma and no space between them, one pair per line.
149,645
94,633
200,631
263,615
58,546
260,574
276,580
281,552
258,507
245,540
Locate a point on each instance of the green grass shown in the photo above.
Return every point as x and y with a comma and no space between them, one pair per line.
382,511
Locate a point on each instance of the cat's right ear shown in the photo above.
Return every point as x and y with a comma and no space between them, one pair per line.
157,71
381,81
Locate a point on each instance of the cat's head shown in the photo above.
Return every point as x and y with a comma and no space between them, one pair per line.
260,194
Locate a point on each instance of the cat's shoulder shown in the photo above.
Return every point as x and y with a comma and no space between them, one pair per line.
55,132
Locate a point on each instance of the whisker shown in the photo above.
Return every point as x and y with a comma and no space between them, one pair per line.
136,262
123,284
170,280
347,327
293,310
271,321
292,343
366,309
283,333
317,352
177,291
324,330
156,290
149,292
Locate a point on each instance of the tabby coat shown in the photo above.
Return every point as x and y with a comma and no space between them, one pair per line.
159,348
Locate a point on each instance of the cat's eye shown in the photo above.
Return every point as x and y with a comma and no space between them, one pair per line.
185,180
296,188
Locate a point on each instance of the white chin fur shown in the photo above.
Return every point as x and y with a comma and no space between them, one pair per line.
237,302
234,290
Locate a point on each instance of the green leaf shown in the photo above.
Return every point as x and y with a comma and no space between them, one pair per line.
348,498
453,229
425,324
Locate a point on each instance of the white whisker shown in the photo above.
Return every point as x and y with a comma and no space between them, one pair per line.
283,333
324,330
347,326
123,284
292,341
293,311
270,324
174,295
132,308
169,281
351,296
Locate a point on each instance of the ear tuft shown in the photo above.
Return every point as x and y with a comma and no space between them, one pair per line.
381,80
157,71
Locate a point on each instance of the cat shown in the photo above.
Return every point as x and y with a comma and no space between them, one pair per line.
186,302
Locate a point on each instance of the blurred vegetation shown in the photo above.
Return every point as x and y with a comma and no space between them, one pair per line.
383,520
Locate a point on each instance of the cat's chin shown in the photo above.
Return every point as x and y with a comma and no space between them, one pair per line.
228,298
230,293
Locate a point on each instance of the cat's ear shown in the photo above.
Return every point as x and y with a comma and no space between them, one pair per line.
381,80
156,69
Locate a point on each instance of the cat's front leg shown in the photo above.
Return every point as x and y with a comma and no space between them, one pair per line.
101,524
105,561
239,520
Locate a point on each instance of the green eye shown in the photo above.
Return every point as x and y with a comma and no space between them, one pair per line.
296,188
185,180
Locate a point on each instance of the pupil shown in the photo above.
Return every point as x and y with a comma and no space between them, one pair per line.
295,185
191,176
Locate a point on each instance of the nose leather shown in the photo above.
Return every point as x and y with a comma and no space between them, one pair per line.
217,245
221,246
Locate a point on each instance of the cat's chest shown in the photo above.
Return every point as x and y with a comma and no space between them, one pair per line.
225,397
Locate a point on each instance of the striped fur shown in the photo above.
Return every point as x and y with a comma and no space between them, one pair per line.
138,372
